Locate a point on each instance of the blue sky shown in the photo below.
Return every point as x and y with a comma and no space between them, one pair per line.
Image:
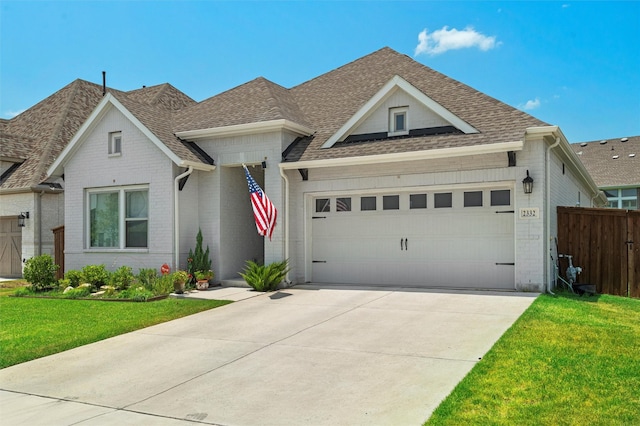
575,63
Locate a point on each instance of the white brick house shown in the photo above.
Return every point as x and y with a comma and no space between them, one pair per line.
384,172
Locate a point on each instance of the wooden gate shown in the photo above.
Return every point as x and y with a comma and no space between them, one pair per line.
606,244
58,250
10,248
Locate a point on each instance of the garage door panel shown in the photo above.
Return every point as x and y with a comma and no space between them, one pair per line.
461,248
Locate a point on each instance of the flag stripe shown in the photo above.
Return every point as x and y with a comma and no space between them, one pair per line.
264,212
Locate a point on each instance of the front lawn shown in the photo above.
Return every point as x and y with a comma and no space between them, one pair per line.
568,360
32,328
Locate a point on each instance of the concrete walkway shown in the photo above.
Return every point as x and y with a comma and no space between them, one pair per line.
306,355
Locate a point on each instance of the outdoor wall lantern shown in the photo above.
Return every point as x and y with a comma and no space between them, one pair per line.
528,184
21,217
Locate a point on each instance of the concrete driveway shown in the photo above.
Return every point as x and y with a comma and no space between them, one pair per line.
306,355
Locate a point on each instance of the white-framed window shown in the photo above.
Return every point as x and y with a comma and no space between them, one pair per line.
117,217
115,143
622,198
398,121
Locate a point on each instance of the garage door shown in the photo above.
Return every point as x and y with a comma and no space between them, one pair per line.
10,248
457,239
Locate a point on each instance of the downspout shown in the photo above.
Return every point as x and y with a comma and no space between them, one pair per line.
176,215
39,216
286,220
548,208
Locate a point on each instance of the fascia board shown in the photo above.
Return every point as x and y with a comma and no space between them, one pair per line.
198,166
57,168
387,90
245,129
407,156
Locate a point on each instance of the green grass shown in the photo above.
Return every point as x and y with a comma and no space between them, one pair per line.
32,328
566,361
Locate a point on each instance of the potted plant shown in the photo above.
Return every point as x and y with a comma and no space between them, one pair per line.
179,279
202,279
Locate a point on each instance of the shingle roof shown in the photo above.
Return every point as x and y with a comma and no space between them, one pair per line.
39,134
613,163
258,100
44,130
158,119
329,100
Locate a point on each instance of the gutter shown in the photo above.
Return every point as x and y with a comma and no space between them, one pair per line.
407,156
176,215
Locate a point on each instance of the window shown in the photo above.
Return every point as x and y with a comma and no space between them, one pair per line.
116,212
398,121
367,203
418,201
473,199
442,200
115,143
391,202
343,204
501,197
626,198
323,205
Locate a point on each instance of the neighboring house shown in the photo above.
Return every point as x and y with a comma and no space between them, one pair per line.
614,165
29,143
383,171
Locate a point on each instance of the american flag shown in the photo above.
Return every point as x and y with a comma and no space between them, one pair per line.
264,212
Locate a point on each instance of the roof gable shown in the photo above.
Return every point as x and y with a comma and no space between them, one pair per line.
330,100
376,101
154,123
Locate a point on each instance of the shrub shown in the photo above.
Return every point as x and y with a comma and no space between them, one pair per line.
63,283
96,275
75,277
265,278
137,294
162,285
121,278
198,259
23,291
40,271
147,277
76,293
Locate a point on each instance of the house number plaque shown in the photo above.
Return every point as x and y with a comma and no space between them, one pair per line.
529,213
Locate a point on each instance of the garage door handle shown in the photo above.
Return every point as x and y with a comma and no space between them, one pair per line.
406,244
401,244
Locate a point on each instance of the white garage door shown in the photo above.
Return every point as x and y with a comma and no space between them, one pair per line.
458,239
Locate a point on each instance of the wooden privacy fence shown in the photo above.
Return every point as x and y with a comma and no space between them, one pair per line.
606,244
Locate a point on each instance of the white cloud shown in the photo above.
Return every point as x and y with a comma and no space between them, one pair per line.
531,104
445,39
